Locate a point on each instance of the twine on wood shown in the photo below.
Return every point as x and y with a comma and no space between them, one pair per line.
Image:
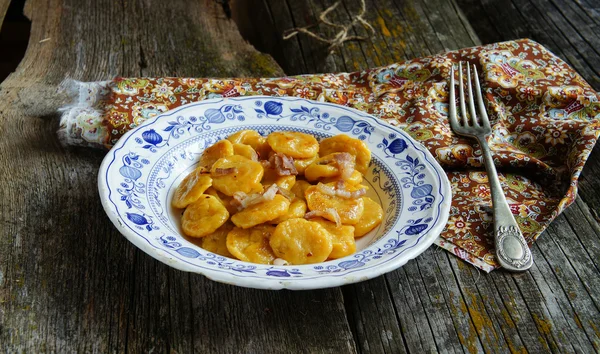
342,36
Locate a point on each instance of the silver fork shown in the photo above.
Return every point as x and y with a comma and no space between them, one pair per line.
511,248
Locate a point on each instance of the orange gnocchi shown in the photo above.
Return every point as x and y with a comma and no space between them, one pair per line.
370,219
297,209
300,241
294,144
217,241
302,164
251,245
261,212
299,188
252,138
344,143
237,174
342,238
204,216
245,150
220,149
284,196
191,188
355,178
349,210
224,199
270,176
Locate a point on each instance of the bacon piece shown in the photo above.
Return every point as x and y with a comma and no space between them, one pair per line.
280,262
284,192
325,189
341,191
225,171
284,165
327,213
345,164
269,194
254,156
265,163
242,200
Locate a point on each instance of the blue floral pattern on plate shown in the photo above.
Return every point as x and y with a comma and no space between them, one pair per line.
139,174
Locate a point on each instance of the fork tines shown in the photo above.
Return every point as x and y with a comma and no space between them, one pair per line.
477,125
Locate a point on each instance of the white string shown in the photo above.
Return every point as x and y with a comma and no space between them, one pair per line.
342,36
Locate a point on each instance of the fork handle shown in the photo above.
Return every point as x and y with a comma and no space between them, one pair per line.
512,251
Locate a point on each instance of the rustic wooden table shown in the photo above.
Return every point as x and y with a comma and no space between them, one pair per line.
69,282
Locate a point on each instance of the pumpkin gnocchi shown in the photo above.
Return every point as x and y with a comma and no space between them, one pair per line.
217,241
299,188
245,150
297,209
284,196
204,216
300,241
370,219
294,144
251,245
344,143
349,210
252,138
191,188
261,212
302,164
237,174
342,238
270,176
220,149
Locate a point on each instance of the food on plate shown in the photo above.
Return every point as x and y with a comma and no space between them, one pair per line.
262,212
253,139
344,199
294,144
217,241
297,209
283,199
342,238
371,217
252,245
302,164
220,149
204,216
271,176
299,241
191,188
344,143
299,188
245,150
236,174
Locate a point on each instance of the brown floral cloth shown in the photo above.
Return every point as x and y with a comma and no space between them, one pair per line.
545,118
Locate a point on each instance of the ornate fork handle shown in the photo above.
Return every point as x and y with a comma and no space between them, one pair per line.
511,248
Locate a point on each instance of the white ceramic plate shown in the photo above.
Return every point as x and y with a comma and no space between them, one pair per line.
138,176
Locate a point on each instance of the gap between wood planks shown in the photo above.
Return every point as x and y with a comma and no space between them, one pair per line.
14,35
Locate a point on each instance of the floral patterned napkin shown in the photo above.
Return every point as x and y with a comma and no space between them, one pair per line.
545,117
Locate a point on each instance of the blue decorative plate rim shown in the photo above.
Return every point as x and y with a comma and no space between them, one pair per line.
344,270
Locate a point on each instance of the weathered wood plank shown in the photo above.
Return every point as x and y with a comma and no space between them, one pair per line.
502,20
68,281
376,330
3,8
66,274
589,184
577,278
494,312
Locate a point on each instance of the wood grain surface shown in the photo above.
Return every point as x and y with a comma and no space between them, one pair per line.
69,282
3,8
